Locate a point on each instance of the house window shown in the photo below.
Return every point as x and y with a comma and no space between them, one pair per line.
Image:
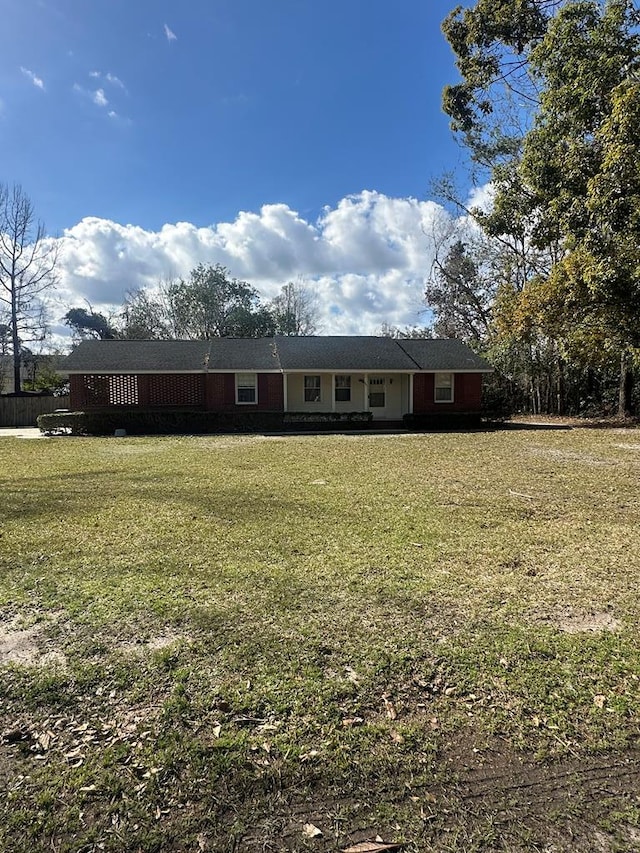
246,388
443,388
312,389
343,389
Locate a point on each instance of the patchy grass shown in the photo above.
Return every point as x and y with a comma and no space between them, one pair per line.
208,642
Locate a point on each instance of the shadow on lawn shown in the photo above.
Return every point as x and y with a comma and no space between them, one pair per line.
92,492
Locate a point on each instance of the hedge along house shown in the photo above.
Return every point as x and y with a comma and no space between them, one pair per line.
303,378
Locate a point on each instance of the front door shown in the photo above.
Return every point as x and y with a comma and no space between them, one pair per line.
377,396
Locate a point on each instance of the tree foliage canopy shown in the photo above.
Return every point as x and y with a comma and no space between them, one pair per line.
549,105
210,303
87,323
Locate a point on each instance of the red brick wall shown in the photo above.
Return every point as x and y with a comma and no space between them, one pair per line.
171,390
271,392
76,392
221,393
467,390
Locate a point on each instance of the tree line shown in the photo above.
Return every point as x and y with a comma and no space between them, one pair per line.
209,303
546,280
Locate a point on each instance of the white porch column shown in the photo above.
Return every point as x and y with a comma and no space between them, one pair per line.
366,392
285,387
333,392
411,393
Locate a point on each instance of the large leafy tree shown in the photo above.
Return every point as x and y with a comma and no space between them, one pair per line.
559,182
207,304
294,310
211,304
145,315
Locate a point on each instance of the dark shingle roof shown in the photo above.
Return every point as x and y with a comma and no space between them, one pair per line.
132,356
243,354
443,354
341,354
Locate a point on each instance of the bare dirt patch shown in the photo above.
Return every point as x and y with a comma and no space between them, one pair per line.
23,646
491,799
165,640
574,621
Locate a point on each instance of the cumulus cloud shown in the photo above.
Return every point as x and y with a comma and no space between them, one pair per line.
171,36
366,258
482,197
37,81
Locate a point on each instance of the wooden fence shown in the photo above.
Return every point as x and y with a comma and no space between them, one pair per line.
23,411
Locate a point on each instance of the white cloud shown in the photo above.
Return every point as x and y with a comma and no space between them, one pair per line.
482,197
115,81
37,81
171,36
99,98
110,78
366,258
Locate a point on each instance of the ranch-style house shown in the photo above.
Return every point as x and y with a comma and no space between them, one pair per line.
384,377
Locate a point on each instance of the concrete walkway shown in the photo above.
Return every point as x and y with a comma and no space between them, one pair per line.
20,432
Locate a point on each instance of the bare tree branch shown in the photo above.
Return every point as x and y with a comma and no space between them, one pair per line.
27,269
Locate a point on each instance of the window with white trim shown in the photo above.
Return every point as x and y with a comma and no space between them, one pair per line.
443,388
312,389
343,389
246,388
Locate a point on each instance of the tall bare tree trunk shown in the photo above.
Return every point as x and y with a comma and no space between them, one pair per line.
15,342
625,391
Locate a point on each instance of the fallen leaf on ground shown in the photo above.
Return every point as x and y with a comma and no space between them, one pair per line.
389,707
352,721
311,831
373,847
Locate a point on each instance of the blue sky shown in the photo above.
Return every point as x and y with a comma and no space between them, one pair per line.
263,127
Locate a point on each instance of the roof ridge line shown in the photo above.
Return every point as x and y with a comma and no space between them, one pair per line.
397,340
276,352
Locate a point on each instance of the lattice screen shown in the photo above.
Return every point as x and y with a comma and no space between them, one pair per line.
123,390
95,390
175,389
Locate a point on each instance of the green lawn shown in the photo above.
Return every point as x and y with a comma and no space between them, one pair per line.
210,642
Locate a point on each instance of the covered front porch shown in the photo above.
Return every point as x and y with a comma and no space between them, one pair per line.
387,395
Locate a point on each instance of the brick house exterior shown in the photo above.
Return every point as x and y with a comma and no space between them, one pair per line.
385,377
